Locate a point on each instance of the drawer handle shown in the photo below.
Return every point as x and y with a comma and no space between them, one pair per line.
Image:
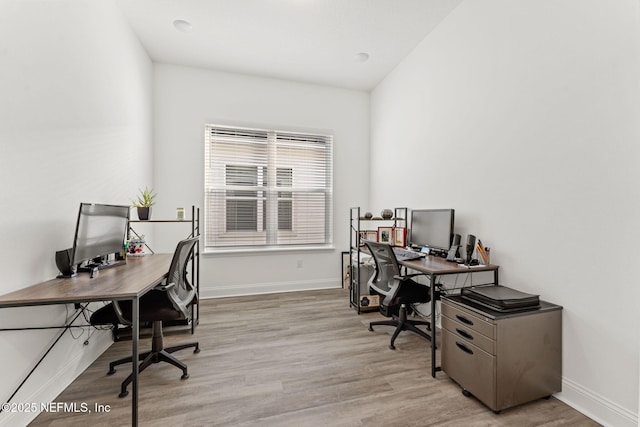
464,334
464,348
464,319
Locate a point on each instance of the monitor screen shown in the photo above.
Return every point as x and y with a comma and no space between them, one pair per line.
432,228
101,230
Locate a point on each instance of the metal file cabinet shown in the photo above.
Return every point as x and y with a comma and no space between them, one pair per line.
502,359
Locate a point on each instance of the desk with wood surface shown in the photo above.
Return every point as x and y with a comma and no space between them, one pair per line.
125,282
432,267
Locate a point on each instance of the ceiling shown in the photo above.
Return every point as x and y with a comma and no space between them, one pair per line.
312,41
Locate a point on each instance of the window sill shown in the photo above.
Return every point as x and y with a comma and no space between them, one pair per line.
266,250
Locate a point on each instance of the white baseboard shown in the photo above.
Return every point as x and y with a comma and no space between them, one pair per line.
595,406
55,380
267,288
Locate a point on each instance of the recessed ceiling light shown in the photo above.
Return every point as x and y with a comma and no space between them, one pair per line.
361,57
182,26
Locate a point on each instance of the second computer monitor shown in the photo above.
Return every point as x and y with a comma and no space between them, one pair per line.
432,228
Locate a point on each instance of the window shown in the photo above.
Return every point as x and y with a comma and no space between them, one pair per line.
267,188
242,206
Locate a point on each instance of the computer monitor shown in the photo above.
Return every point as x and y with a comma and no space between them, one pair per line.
100,231
432,228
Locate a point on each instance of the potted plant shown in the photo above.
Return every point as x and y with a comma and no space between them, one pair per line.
143,203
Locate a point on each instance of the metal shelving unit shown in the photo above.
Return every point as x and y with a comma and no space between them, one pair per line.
356,237
195,264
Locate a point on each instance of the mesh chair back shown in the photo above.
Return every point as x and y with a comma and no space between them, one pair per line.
181,291
386,267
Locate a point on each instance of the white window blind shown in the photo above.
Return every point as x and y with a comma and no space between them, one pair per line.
267,188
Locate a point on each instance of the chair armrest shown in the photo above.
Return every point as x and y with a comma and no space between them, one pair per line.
165,286
415,274
120,315
407,276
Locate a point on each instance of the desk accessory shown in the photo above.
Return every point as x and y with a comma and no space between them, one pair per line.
471,245
386,214
501,298
454,250
385,234
400,236
143,203
64,262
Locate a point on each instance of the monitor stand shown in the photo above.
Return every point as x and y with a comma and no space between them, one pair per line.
93,267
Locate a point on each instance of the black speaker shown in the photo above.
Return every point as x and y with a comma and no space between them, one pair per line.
471,245
64,260
454,250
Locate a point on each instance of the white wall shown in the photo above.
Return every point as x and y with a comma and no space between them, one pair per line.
523,116
185,99
75,126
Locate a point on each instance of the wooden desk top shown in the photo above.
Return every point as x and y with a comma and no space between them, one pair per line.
436,265
127,281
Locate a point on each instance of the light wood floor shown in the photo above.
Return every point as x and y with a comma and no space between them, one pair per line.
295,359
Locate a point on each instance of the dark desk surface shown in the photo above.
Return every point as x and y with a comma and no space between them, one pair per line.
436,265
127,281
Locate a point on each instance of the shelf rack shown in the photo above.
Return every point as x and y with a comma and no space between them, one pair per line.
356,221
195,264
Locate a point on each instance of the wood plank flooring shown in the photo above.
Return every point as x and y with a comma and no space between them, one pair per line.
293,359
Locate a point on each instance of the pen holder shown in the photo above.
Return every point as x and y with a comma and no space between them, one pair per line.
484,256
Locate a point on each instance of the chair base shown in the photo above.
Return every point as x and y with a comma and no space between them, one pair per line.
403,324
157,354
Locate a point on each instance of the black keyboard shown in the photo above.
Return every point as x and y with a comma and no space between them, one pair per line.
405,254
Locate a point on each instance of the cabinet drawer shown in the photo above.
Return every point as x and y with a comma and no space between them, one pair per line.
471,367
463,332
469,319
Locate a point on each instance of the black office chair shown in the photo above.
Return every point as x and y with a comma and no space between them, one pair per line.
399,292
171,300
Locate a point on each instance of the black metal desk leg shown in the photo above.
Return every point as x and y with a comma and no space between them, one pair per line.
135,335
432,279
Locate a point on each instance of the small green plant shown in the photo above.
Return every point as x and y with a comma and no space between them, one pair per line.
145,199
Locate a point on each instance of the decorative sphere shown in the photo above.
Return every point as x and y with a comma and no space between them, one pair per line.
368,215
386,214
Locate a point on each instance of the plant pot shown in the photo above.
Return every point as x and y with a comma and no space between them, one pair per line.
144,213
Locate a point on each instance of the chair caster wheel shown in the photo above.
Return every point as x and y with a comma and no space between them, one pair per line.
184,376
496,412
197,350
123,394
392,347
466,393
370,328
111,372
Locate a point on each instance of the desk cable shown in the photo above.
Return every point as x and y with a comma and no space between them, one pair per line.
416,306
66,328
